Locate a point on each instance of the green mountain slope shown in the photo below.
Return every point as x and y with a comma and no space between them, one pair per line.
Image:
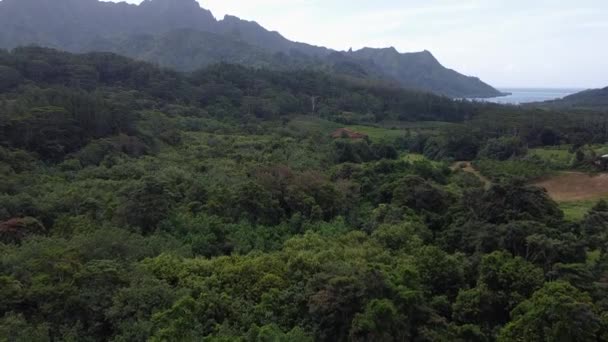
81,26
422,70
588,99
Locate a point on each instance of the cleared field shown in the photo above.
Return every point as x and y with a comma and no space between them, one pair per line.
557,158
576,186
418,125
386,131
576,211
576,192
313,124
377,133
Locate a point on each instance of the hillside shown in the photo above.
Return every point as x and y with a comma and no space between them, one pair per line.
149,32
423,70
596,99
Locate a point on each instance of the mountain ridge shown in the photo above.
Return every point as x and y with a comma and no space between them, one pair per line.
92,25
587,99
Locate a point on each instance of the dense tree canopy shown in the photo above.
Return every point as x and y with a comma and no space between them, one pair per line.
140,204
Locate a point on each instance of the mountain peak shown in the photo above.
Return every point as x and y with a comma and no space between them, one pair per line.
94,25
172,4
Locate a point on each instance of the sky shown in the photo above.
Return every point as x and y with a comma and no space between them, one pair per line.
507,43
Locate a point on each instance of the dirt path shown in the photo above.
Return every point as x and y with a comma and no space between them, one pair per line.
576,186
467,167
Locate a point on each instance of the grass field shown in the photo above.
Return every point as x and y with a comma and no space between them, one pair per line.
576,211
379,134
559,158
313,124
389,131
417,125
384,131
375,133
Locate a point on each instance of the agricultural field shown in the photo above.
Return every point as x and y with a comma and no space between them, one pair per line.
418,125
391,130
308,124
379,134
576,192
313,125
575,186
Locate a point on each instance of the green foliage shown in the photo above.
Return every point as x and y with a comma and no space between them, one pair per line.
380,321
524,169
556,158
503,148
557,312
145,204
140,204
14,327
9,78
596,99
503,283
507,202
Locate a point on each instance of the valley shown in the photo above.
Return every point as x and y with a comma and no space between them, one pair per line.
168,176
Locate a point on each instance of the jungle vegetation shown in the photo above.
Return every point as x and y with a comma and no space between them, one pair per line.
142,204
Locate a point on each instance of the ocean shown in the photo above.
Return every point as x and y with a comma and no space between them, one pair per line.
527,95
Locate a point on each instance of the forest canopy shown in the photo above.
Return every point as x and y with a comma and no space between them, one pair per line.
142,204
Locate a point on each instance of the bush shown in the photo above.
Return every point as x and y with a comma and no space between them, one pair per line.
503,148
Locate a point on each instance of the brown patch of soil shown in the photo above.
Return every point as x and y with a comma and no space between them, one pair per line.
576,186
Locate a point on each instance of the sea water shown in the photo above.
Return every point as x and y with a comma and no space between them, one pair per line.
528,95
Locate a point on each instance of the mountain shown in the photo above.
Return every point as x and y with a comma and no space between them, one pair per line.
588,99
182,35
423,70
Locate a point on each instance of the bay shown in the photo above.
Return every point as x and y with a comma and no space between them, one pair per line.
528,95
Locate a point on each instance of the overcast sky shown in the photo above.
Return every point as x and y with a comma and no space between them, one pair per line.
533,43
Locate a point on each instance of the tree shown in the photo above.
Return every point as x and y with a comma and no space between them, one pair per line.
334,306
191,319
14,327
440,273
145,203
16,229
133,306
503,283
416,193
9,78
381,321
503,148
50,131
557,312
273,333
511,201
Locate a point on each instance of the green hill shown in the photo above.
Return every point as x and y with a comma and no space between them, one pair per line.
588,99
